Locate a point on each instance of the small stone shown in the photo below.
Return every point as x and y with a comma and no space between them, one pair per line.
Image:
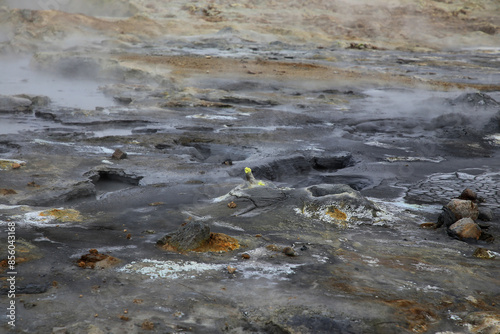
289,251
465,229
245,256
483,253
485,214
231,205
430,226
15,165
463,209
231,270
468,195
119,154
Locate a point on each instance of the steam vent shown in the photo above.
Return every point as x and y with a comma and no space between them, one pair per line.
205,166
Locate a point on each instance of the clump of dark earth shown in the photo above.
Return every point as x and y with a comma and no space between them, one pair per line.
95,260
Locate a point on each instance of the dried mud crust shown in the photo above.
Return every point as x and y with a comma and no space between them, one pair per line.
440,187
212,67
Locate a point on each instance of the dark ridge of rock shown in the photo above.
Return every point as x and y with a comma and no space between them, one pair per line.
477,100
13,104
7,146
112,174
124,100
28,289
332,161
278,169
247,101
60,193
46,115
321,190
357,182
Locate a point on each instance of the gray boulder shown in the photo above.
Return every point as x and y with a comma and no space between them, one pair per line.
15,104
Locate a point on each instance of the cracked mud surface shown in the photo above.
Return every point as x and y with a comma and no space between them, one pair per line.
359,132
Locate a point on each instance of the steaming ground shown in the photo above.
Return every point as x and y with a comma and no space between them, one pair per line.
396,99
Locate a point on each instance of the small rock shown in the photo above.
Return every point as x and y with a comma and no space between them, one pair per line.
15,165
15,104
231,270
465,229
483,253
245,256
485,214
187,237
463,209
231,205
289,251
94,260
468,195
119,154
429,226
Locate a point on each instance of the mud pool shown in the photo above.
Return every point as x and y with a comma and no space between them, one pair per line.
355,147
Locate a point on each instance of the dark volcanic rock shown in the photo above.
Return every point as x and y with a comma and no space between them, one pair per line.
446,218
485,214
280,168
475,100
465,229
187,237
320,190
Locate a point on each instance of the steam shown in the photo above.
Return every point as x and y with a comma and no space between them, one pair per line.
16,77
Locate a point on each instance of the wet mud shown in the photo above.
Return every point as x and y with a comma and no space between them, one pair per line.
149,119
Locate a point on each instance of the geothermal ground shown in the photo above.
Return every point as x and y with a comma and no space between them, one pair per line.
126,126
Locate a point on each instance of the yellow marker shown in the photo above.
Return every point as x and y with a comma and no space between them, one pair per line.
249,175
